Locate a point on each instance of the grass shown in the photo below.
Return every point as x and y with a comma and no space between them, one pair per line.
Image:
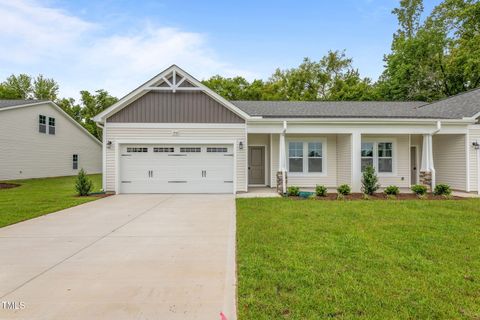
36,197
358,259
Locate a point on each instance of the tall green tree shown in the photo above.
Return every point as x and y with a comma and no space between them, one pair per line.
25,87
45,88
93,104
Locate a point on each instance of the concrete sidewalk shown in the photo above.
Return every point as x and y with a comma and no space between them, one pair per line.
123,257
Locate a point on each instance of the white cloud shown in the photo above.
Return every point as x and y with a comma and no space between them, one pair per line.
47,40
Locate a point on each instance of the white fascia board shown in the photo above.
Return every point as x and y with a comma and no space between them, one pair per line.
144,88
25,105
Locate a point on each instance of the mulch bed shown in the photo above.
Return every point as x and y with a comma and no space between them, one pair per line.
97,195
8,185
380,196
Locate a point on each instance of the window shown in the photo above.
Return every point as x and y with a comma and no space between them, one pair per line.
385,159
305,157
42,124
190,149
314,157
217,149
379,155
367,155
137,149
51,125
75,161
168,149
295,156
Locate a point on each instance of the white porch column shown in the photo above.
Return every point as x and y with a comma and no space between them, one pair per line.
427,169
282,159
356,161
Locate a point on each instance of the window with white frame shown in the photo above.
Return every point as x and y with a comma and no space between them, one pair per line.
378,154
42,124
305,157
51,125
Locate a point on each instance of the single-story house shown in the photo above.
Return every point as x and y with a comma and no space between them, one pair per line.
174,135
38,139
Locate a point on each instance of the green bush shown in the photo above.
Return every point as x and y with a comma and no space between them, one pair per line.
83,185
392,191
370,181
321,191
344,190
442,190
419,190
293,191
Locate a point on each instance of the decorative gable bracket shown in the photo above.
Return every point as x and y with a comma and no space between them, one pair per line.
174,82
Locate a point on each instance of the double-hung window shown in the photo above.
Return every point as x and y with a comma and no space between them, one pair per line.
378,154
305,157
51,125
42,124
75,162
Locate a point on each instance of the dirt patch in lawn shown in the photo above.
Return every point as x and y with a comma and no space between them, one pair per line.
8,185
381,196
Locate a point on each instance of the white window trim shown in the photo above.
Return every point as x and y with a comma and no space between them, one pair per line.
375,142
305,142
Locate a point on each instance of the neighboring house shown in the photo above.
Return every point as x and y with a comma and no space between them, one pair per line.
38,139
174,135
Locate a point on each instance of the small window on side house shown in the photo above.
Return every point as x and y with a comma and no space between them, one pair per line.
51,125
42,124
75,161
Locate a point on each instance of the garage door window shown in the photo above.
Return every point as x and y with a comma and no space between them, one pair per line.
190,149
134,149
166,150
217,149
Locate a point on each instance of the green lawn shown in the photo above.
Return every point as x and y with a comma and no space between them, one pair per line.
358,259
36,197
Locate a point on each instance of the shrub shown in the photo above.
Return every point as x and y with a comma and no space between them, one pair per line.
370,181
419,190
83,185
442,190
392,191
321,191
344,190
340,196
293,191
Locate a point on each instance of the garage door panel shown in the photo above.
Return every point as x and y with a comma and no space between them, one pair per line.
176,169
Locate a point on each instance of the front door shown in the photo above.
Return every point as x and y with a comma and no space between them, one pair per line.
413,165
256,165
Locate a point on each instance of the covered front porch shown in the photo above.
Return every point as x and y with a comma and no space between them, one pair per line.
306,156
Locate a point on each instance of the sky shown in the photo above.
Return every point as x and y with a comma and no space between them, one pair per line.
117,45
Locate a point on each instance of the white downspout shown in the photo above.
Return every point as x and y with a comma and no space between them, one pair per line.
104,153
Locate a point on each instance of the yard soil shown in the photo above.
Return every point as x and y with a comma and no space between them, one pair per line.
382,196
8,185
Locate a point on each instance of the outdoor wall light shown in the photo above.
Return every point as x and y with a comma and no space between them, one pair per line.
109,144
476,145
240,145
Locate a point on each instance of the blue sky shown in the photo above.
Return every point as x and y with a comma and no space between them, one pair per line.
117,45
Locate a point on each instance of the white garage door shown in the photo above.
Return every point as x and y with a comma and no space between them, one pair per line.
176,169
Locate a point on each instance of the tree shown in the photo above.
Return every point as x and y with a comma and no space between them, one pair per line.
93,104
45,88
21,87
16,87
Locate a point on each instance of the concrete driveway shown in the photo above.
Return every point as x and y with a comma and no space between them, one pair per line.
123,257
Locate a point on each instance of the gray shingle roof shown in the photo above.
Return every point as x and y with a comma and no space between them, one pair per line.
466,104
13,103
463,105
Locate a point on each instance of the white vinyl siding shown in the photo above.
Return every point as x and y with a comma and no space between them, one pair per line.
309,180
449,160
197,135
474,135
27,153
401,160
344,159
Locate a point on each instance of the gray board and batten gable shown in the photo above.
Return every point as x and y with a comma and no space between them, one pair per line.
175,107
